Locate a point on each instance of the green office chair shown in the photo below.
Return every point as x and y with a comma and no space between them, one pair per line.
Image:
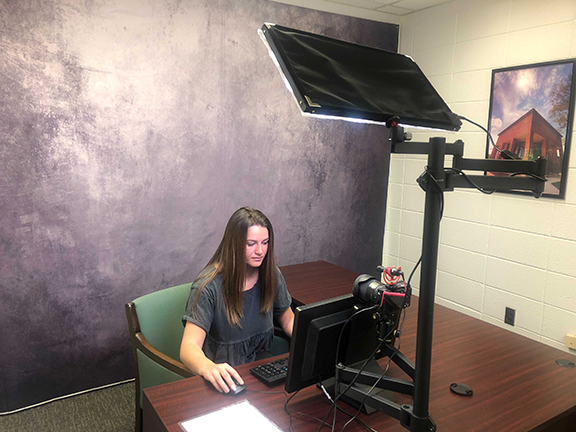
155,324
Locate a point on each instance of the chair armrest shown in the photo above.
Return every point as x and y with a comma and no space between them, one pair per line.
138,341
161,358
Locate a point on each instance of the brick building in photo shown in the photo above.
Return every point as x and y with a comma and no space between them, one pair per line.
532,136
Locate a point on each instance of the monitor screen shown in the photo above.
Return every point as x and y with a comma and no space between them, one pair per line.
317,327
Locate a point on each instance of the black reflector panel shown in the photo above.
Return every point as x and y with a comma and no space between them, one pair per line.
336,78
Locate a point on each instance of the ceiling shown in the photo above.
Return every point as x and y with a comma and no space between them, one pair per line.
377,7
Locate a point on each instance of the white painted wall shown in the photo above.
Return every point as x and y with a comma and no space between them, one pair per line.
487,260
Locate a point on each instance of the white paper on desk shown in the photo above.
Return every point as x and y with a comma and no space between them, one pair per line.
239,417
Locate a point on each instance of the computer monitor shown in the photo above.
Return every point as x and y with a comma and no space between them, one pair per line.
315,335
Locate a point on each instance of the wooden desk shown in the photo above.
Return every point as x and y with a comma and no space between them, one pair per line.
315,281
517,384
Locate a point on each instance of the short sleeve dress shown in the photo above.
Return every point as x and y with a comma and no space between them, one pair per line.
233,344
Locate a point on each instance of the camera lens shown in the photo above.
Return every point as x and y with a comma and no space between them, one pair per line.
368,289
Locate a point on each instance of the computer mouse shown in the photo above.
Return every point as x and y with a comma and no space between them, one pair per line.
239,388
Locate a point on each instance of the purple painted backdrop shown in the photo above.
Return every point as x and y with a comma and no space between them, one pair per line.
129,132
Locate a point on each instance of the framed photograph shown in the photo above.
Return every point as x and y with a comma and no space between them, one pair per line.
531,115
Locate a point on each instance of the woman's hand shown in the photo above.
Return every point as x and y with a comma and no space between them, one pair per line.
221,376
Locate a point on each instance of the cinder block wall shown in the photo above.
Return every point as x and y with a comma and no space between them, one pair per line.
495,250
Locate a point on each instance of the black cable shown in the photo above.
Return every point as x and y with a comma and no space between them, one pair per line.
307,417
334,403
323,422
485,130
414,270
406,285
358,420
437,185
336,363
403,309
287,399
360,372
469,180
368,393
537,177
366,396
506,155
430,176
287,411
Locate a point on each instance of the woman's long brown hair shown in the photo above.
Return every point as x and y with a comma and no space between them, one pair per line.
229,261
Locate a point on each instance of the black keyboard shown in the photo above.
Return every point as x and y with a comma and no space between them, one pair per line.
271,373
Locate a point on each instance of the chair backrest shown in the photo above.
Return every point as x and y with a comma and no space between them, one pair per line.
155,325
160,318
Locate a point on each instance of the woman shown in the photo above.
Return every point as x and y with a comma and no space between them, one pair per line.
229,314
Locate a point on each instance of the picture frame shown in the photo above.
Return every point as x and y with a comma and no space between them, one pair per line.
531,115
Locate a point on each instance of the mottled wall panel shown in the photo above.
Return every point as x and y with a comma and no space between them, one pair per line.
129,132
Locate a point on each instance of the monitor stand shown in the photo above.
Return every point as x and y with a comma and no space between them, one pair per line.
355,401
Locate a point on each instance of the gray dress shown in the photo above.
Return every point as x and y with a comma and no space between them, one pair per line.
230,344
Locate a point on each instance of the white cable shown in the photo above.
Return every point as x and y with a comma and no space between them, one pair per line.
65,397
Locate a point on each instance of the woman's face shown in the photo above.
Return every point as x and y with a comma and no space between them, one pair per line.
256,245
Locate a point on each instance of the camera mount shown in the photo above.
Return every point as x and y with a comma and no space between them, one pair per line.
338,79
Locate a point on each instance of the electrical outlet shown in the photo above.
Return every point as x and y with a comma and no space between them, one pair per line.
571,341
510,316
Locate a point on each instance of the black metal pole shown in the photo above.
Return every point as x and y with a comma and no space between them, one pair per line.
430,238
